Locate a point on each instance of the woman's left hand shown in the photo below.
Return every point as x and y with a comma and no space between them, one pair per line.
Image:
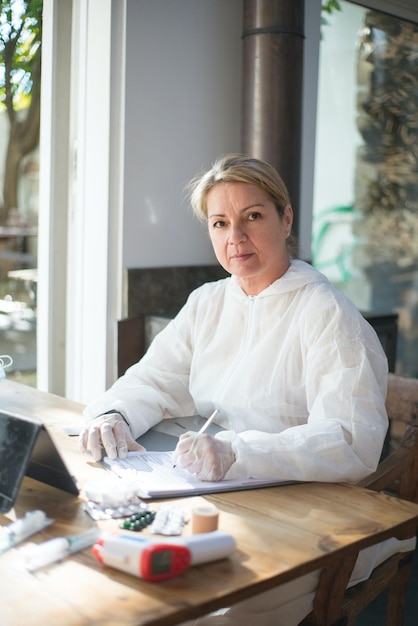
207,457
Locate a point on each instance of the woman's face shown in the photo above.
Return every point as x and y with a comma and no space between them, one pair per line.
248,235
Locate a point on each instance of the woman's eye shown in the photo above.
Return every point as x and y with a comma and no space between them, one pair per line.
254,216
218,224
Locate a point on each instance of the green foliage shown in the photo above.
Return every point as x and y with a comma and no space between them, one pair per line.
331,5
20,49
327,8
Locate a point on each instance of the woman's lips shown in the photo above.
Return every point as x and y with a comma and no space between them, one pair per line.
241,257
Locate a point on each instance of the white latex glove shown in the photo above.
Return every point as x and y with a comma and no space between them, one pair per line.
111,432
207,457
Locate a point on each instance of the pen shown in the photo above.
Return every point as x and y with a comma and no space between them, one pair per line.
208,422
205,425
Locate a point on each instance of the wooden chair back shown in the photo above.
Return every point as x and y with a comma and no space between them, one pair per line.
398,473
334,604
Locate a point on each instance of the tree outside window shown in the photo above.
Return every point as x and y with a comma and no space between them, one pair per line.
20,87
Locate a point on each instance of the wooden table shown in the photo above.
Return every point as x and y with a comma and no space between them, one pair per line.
281,533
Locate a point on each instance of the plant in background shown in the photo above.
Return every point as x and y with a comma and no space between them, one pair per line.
327,8
387,163
20,87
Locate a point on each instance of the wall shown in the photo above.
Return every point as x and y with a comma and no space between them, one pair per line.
183,94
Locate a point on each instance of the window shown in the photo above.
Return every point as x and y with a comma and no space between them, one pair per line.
365,235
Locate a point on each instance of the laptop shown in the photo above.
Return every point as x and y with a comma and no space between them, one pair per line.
26,448
164,436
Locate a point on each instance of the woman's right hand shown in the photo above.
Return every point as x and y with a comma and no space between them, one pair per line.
110,432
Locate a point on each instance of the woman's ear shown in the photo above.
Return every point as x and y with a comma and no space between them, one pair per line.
288,217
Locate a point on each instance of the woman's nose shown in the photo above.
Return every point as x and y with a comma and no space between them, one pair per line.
237,235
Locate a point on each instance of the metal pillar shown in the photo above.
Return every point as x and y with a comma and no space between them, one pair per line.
272,87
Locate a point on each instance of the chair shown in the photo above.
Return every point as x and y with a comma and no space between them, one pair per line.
131,342
334,605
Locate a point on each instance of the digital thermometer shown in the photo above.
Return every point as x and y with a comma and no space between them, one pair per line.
156,560
141,557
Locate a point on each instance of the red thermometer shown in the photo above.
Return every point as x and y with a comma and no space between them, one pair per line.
155,560
141,557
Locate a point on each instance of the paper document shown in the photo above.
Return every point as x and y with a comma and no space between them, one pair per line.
158,478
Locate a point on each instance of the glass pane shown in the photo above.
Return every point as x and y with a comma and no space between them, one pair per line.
365,235
20,76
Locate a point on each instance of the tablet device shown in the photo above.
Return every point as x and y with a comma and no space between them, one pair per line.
26,448
164,436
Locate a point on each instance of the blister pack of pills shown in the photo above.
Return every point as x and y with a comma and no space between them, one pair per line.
138,521
112,499
99,511
169,520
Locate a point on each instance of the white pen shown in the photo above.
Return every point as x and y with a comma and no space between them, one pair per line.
205,426
208,422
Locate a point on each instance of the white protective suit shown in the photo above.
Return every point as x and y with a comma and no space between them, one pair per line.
299,378
298,375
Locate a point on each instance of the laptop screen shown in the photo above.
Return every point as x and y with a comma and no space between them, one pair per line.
27,448
17,438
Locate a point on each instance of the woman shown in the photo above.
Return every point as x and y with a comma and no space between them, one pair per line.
296,373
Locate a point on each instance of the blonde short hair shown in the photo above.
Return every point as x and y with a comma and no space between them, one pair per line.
238,168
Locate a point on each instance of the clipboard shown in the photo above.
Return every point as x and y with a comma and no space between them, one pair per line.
153,469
